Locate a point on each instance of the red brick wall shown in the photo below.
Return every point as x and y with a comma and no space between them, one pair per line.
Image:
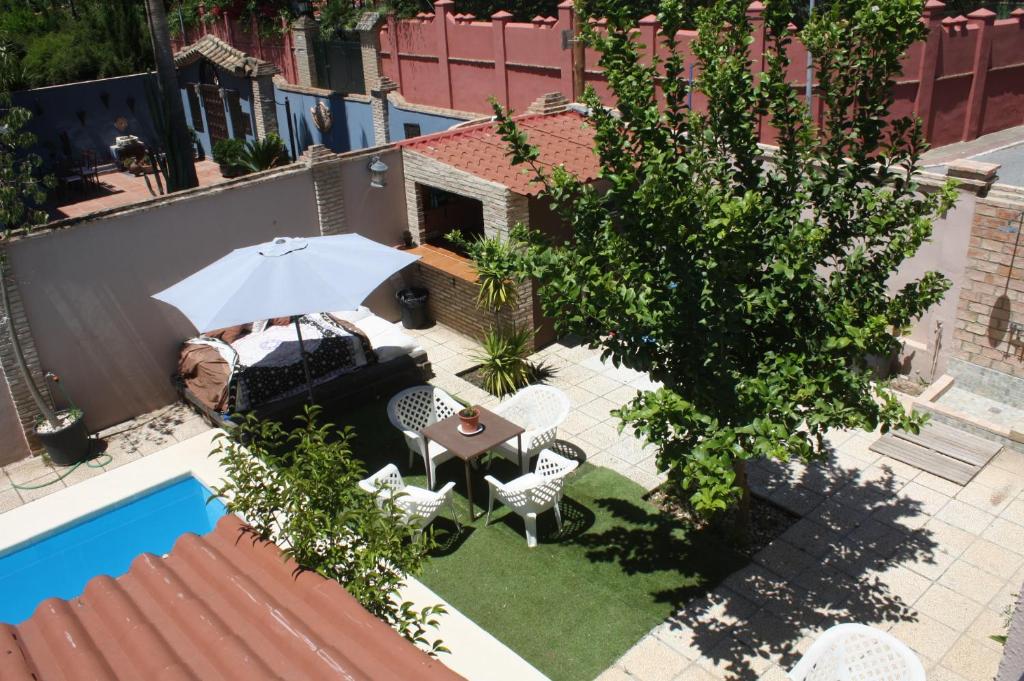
993,291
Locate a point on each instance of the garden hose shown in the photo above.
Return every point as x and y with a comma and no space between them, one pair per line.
98,462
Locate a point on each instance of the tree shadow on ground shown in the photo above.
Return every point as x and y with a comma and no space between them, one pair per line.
843,561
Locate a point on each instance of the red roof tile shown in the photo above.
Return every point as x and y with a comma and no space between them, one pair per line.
565,139
219,607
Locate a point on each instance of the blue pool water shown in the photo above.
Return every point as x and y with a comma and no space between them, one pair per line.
61,564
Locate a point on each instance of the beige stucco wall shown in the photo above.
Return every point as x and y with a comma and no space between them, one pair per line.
13,446
945,253
87,288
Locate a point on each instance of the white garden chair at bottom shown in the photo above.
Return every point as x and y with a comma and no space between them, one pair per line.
418,506
856,652
551,466
527,495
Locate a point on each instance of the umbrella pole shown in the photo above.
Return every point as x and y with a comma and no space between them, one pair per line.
305,362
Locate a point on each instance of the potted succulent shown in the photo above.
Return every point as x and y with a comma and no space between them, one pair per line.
62,433
469,419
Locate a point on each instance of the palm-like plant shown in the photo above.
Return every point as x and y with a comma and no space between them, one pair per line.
263,154
503,360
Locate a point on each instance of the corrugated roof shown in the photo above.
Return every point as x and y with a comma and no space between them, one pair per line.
219,607
565,139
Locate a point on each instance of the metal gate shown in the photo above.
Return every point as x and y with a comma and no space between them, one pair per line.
216,120
341,63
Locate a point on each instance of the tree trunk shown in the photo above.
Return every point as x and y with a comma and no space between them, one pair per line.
19,355
742,518
181,167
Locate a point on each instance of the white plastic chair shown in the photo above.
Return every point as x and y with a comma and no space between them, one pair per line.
540,409
527,495
856,652
418,506
551,466
414,409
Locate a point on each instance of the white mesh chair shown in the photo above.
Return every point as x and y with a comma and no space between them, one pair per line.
551,466
414,409
540,409
418,506
855,652
527,495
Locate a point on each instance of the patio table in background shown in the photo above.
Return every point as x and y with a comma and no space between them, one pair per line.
469,447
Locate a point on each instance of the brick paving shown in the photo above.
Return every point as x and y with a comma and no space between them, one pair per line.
118,189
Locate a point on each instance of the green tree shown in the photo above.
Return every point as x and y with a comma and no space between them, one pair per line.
300,490
751,283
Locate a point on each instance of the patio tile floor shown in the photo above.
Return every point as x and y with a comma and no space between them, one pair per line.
880,543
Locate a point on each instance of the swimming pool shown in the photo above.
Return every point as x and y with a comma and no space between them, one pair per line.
59,565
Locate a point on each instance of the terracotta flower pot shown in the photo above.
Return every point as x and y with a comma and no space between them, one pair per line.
469,423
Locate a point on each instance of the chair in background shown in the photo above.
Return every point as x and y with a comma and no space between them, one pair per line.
418,506
414,409
856,652
528,496
540,409
89,169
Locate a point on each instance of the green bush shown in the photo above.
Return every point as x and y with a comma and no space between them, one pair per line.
300,490
263,154
503,361
227,153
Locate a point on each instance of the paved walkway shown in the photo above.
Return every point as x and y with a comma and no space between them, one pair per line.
34,478
879,543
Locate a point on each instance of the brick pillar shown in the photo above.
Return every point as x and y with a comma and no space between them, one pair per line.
566,23
755,15
983,19
369,48
932,17
649,36
379,111
396,52
28,412
498,21
442,8
263,108
328,187
304,31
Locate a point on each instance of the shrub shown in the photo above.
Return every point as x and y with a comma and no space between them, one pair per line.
503,361
263,154
300,490
227,153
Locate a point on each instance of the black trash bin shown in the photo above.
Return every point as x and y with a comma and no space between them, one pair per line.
413,302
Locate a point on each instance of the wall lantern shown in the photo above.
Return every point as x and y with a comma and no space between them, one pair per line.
377,170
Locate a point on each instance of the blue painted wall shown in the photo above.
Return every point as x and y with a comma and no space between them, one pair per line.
429,123
303,132
227,80
79,110
360,124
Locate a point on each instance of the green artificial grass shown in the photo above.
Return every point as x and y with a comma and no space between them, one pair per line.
580,599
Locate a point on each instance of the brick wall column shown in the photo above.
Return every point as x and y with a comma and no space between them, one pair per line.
379,111
28,412
649,36
498,21
566,22
369,48
442,8
932,17
304,31
328,186
263,107
983,19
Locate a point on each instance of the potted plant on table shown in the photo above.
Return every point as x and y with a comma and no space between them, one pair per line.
469,419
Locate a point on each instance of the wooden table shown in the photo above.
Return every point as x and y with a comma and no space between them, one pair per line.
469,447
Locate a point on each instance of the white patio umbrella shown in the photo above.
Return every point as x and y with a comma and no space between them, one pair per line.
286,277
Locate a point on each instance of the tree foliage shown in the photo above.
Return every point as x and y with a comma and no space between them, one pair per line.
752,284
300,490
22,185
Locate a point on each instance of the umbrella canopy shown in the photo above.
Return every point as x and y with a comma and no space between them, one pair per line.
284,278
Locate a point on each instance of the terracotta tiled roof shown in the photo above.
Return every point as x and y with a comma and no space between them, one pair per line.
565,139
219,607
225,56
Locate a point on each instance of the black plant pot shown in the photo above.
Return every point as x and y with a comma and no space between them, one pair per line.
69,445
